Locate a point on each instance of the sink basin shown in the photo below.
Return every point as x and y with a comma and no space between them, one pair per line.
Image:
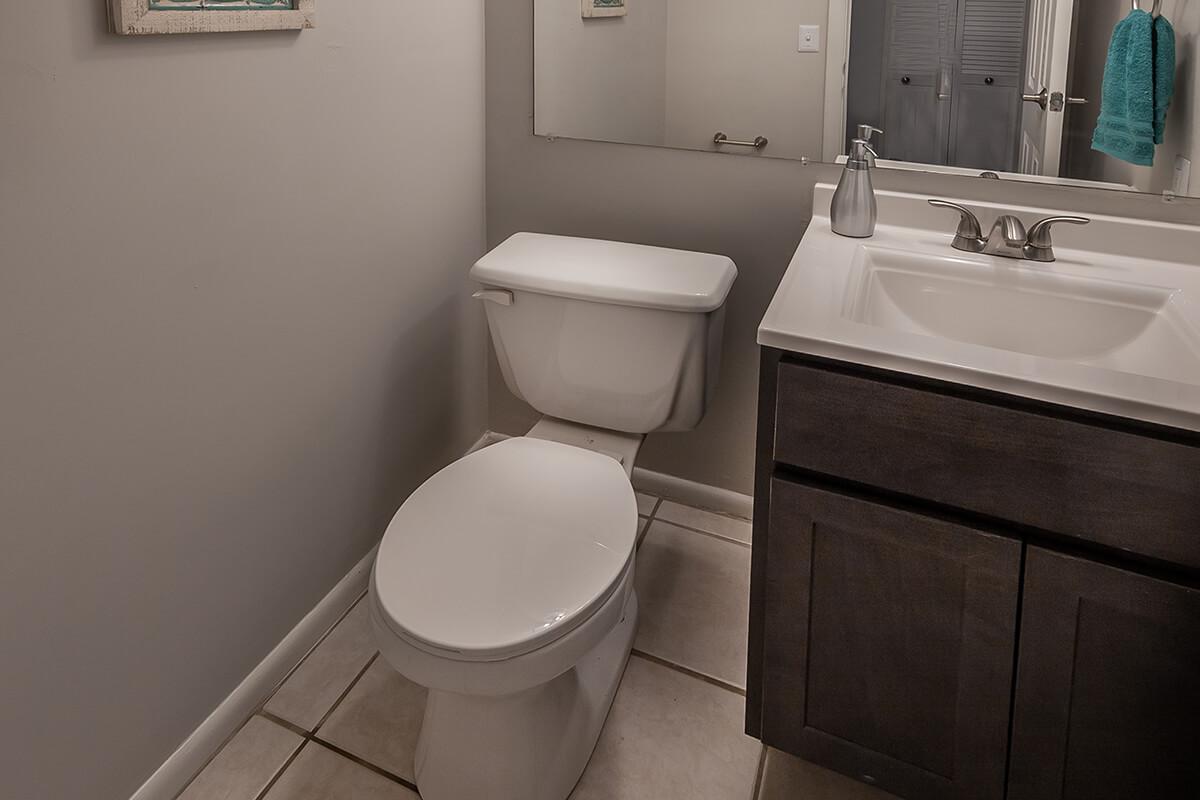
1120,326
1112,326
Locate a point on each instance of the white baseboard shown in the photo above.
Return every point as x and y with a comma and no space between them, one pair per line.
681,490
191,756
690,493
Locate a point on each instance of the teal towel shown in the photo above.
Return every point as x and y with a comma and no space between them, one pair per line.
1139,80
1164,74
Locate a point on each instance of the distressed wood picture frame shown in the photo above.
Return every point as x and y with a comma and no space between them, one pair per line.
603,8
142,17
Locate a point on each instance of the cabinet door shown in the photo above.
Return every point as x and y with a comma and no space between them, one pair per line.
1108,686
889,645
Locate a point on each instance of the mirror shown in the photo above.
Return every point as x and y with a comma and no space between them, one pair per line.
1005,86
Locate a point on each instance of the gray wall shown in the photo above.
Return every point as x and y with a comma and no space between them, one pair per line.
233,337
734,67
604,77
752,209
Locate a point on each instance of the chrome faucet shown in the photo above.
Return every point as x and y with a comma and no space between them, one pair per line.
1008,238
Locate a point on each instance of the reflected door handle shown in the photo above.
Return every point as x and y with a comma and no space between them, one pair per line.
1054,102
1042,99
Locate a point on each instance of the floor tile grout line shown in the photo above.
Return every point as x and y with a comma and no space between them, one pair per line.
691,673
709,534
284,768
336,703
328,745
329,631
283,723
228,740
362,762
758,776
701,509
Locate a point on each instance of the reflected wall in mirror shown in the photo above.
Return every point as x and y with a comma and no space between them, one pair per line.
1007,86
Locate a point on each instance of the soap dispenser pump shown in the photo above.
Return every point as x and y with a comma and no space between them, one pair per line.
854,210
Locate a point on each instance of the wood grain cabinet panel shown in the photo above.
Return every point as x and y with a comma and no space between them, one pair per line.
890,646
1125,491
1108,685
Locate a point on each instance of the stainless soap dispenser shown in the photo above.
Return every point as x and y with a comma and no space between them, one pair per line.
854,210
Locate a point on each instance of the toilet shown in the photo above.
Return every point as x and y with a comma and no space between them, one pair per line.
504,584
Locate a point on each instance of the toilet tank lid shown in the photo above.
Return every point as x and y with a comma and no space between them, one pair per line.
609,272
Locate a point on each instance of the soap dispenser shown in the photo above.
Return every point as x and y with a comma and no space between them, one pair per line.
854,210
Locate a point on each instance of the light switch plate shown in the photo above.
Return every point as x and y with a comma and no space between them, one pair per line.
810,39
1183,176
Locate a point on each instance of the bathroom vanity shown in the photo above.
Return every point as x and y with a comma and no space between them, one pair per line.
976,569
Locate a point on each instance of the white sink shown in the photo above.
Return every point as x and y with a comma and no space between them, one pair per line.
1112,326
1026,309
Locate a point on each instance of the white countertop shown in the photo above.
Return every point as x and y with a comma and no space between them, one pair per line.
812,311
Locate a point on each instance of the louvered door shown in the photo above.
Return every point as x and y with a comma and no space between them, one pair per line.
919,43
986,102
952,81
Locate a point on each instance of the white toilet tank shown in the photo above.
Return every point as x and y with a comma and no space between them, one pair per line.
618,336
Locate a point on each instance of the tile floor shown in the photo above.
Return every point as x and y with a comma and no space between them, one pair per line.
345,725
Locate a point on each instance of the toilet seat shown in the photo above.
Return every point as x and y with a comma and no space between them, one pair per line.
506,550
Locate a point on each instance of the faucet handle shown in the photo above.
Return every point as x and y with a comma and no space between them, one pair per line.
1039,234
1039,246
969,235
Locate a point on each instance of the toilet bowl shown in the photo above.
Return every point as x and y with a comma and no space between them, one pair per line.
504,584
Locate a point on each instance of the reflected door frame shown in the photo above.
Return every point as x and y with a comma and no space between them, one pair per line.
837,64
1048,60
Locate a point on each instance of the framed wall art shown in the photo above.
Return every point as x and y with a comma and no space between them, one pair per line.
603,8
138,17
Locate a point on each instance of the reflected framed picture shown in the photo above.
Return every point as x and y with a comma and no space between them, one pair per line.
603,8
139,17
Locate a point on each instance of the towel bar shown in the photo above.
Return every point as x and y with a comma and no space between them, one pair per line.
1137,5
758,144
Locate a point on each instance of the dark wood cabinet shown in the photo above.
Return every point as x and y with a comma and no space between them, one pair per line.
1108,685
957,593
892,641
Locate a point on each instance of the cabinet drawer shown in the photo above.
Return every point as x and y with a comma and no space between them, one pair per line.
1121,490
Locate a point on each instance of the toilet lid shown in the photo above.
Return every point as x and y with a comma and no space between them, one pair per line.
507,549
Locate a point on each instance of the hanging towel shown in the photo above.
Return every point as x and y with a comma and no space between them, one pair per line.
1133,104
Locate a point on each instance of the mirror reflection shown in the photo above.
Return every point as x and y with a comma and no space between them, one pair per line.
1100,91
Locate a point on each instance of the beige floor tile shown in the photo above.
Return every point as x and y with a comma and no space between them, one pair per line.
321,774
315,686
786,777
646,503
719,524
246,764
379,720
694,594
670,736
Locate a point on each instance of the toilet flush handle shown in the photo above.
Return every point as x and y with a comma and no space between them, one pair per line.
499,296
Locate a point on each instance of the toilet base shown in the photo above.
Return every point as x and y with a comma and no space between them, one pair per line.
533,745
